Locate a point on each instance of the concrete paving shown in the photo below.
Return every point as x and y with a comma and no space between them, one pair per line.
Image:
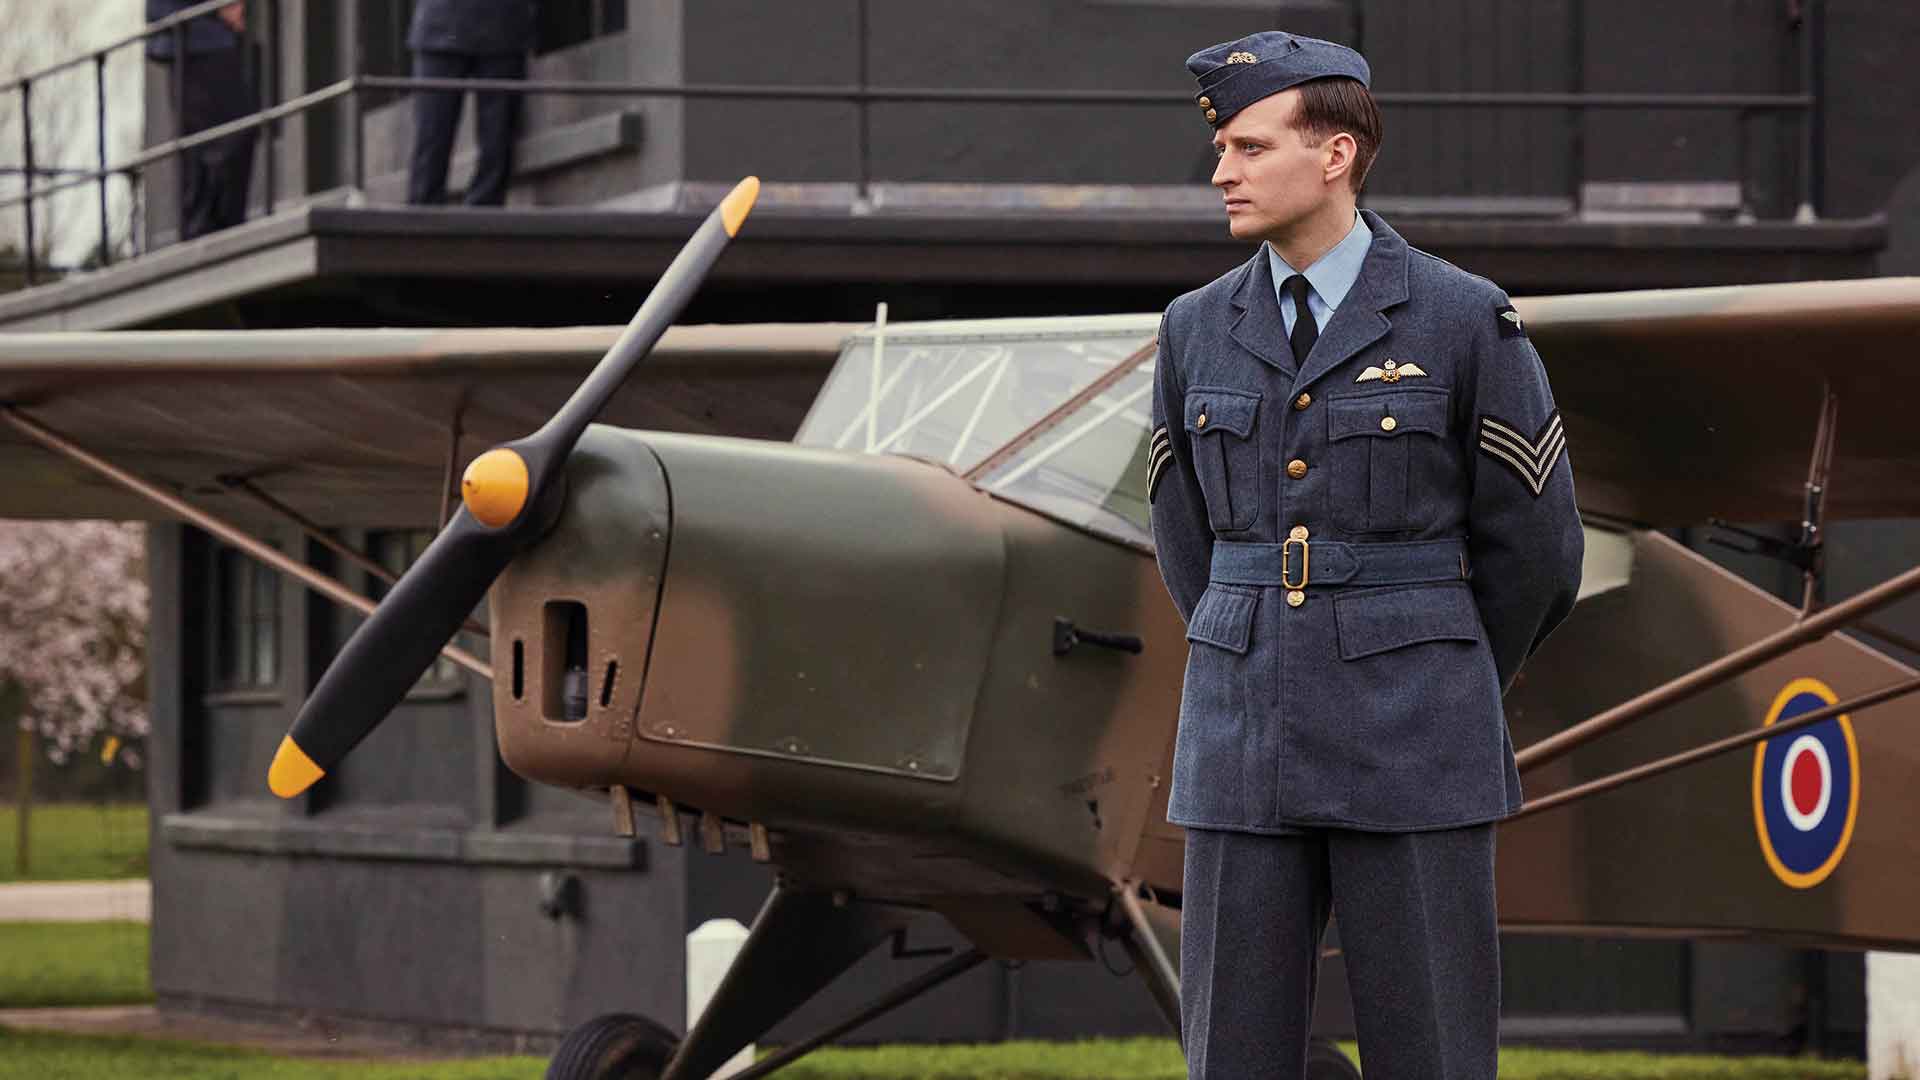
76,901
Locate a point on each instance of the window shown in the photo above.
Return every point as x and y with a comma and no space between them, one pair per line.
565,23
956,392
246,618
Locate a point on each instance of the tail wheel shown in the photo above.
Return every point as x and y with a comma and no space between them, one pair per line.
1326,1062
618,1046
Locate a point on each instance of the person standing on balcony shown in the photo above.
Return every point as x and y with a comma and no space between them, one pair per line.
466,39
1363,507
215,88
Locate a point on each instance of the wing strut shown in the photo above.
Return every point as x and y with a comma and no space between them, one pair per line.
327,586
1703,678
1808,626
1717,747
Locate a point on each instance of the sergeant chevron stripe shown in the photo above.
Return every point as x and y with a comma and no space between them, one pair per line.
1533,459
1159,452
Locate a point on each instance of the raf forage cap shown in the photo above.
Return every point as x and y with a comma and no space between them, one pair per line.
1235,74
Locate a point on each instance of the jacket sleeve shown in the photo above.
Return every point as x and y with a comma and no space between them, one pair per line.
1523,530
1182,537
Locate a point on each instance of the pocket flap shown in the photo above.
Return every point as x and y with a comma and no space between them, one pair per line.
1224,617
1368,414
1377,620
1221,408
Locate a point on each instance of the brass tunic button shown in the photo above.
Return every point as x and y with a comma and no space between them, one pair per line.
1200,421
1388,423
1303,401
1299,533
1296,598
1297,469
1206,103
1212,115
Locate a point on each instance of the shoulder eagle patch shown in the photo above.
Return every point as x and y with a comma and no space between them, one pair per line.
1531,459
1509,320
1159,452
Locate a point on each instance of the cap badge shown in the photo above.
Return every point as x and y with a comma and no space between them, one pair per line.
1392,373
1242,58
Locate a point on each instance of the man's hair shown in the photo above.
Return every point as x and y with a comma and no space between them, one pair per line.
1335,104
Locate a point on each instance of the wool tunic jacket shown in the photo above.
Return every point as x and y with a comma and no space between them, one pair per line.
1353,678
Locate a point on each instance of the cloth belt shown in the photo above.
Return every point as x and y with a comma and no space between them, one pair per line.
1330,562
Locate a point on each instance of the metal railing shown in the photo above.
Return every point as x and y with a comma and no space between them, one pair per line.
350,89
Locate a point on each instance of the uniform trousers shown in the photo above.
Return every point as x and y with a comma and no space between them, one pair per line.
1417,932
215,88
436,115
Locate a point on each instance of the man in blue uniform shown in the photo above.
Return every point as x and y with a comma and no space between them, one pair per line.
214,88
1363,507
466,39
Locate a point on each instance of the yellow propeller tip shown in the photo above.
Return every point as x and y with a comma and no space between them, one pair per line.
494,487
293,771
739,201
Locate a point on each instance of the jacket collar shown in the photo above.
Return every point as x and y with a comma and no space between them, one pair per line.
1358,322
1259,328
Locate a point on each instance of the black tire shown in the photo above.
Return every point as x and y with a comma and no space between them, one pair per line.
618,1046
1326,1062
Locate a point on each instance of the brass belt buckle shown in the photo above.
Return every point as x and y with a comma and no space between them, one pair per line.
1286,570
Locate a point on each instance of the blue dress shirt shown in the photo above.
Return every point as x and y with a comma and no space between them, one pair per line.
1328,279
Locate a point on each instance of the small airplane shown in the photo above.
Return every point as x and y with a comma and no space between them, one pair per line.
921,659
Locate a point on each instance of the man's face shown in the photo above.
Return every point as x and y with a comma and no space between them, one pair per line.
1269,177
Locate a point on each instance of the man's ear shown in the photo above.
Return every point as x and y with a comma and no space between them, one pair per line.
1340,151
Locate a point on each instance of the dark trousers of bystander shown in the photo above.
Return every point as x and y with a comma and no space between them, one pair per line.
436,116
1417,931
214,176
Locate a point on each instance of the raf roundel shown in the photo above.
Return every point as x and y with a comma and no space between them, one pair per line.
1806,788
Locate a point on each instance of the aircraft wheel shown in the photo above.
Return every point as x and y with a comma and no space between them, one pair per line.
1326,1062
618,1046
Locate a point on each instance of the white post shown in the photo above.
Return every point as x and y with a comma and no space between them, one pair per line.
1893,1016
710,952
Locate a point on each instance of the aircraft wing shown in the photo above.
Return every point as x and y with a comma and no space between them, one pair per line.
1679,404
1688,403
353,427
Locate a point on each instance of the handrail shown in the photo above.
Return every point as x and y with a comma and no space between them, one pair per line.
948,94
1806,103
187,142
158,26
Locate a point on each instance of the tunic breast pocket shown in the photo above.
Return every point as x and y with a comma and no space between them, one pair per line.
1378,445
1226,455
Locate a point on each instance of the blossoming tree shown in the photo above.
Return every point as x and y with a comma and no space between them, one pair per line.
73,631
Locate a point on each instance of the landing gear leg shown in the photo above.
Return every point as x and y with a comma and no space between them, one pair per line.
1326,1062
1152,937
799,943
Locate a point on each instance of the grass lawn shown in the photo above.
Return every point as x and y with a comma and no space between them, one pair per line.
47,964
54,1056
77,842
1159,1059
43,1055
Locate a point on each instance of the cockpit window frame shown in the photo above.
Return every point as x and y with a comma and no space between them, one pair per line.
999,337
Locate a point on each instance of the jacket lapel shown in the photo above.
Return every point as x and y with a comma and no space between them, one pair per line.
1259,328
1359,321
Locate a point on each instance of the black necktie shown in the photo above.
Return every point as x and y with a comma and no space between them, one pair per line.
1305,333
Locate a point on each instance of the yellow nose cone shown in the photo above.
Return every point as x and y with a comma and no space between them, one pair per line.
495,487
292,771
734,208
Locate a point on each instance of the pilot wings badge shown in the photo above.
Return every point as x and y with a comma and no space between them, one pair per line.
1392,373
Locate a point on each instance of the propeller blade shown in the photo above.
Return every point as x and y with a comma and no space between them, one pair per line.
389,651
511,495
546,450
